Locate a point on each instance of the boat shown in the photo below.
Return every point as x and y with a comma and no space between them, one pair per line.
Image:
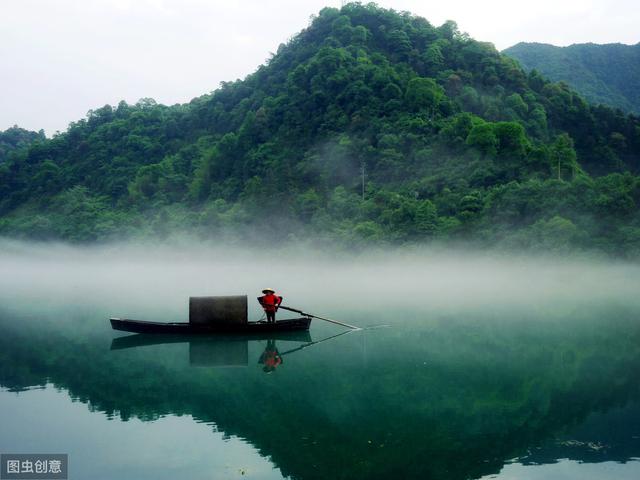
191,328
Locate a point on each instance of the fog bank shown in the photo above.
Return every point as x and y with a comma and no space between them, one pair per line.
143,281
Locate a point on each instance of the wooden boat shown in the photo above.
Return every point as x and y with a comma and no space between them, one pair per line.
248,328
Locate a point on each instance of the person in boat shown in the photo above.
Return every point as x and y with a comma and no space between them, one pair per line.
270,303
270,358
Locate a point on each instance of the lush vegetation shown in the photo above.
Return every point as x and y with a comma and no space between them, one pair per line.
15,138
608,74
368,126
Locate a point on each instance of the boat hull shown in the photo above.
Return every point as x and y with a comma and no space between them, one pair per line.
185,328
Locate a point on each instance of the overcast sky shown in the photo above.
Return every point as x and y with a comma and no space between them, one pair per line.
60,58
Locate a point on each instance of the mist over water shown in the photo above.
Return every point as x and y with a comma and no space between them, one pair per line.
148,279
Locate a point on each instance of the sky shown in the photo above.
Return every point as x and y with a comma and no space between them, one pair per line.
61,58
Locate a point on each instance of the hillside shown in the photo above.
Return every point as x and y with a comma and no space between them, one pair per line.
455,140
608,74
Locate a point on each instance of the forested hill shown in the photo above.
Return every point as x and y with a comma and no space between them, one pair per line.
16,138
608,74
455,140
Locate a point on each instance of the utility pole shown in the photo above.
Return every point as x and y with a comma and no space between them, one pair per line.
558,154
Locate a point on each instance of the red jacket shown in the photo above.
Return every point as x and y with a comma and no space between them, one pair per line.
270,302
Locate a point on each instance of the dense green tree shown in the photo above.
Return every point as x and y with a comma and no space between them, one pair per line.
424,94
483,137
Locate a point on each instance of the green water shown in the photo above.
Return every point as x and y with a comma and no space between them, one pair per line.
496,390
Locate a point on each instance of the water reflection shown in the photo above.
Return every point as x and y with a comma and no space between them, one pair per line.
218,350
450,397
227,350
270,358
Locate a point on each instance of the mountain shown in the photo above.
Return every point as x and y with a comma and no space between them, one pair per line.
608,74
369,126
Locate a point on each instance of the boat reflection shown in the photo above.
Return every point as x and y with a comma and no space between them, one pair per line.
210,350
224,350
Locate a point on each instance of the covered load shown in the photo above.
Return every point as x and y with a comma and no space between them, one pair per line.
230,310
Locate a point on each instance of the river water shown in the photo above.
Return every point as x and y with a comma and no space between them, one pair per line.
468,366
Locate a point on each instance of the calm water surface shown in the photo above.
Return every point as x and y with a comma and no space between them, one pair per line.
519,383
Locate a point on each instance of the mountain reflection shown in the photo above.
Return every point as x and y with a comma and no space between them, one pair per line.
450,399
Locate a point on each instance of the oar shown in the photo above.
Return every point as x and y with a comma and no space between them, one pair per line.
321,318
